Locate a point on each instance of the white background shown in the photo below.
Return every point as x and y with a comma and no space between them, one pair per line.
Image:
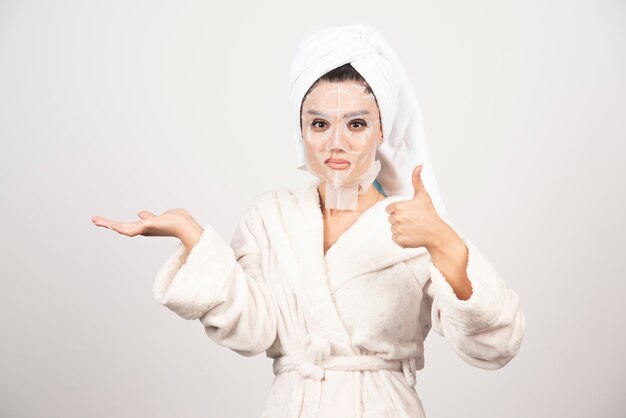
111,107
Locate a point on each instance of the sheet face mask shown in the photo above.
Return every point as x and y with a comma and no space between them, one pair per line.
341,132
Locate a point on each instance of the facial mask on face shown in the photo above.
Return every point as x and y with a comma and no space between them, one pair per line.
341,129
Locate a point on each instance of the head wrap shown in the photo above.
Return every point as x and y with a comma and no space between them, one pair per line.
404,143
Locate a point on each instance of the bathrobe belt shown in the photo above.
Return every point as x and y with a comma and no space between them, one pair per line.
305,399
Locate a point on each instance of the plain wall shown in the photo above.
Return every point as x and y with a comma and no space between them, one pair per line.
109,108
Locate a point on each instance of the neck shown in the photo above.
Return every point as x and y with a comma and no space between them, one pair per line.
365,200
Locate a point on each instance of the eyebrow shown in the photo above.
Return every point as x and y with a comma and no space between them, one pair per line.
347,115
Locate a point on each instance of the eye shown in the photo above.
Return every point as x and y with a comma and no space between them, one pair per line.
359,123
316,123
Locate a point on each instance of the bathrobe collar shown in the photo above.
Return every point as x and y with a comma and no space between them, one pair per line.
295,229
365,247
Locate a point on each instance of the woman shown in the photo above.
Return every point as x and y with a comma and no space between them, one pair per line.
339,282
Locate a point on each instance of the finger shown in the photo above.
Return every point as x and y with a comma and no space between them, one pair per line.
127,228
390,208
103,222
416,177
98,220
144,214
395,238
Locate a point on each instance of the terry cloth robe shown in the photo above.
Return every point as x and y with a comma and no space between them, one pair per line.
345,329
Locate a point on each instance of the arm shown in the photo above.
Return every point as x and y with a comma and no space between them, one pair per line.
486,329
223,286
449,253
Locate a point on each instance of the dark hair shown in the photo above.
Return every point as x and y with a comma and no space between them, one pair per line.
346,72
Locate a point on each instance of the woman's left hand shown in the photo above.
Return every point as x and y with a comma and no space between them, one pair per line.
415,223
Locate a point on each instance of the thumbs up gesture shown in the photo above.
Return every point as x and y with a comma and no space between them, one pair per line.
415,222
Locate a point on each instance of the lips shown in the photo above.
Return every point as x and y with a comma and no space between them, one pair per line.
337,164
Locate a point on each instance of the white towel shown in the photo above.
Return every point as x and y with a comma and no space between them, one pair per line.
404,143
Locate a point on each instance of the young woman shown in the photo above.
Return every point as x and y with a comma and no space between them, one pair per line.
340,282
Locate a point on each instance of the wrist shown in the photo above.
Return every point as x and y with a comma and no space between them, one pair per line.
444,239
189,233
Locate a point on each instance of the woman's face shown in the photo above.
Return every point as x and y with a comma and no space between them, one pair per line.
341,131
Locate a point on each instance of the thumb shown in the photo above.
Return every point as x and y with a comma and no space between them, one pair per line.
418,185
144,214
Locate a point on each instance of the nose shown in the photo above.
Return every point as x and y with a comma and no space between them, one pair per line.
338,142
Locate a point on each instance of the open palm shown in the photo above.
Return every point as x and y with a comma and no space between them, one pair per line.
168,224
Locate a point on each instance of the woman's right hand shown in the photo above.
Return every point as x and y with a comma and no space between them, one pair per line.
172,223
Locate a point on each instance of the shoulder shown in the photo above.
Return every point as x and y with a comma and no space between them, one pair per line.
268,209
272,200
283,195
272,195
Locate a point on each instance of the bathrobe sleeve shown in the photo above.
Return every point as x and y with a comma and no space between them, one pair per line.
485,330
223,286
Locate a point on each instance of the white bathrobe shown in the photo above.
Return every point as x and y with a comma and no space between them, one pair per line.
345,329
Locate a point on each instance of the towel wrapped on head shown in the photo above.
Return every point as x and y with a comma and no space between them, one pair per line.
404,142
